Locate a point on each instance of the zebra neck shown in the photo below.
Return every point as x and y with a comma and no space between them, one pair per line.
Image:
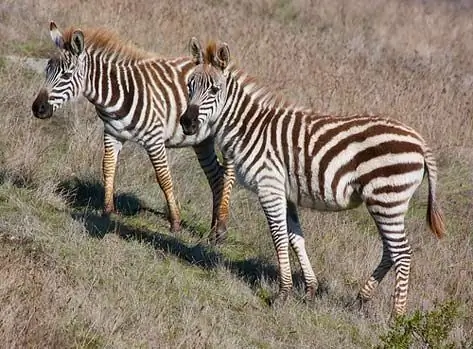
242,106
107,79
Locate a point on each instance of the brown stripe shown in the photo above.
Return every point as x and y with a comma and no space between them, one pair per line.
114,86
389,147
261,138
389,170
247,127
294,134
330,134
372,131
140,96
284,143
392,188
97,86
127,95
274,136
372,202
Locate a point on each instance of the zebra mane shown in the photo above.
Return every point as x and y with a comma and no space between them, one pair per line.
210,52
107,41
265,95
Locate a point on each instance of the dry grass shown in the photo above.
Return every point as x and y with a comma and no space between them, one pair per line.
73,279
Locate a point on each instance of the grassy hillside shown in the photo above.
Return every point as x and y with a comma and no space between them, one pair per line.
73,279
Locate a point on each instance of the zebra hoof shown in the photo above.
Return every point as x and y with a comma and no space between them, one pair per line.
310,293
358,305
108,211
279,300
218,234
175,227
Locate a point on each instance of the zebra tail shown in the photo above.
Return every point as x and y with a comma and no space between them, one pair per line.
435,217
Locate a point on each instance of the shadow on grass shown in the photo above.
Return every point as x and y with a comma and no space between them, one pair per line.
86,196
204,256
89,195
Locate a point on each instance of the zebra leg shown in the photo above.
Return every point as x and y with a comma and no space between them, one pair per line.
296,239
158,157
397,252
221,182
380,272
112,147
274,207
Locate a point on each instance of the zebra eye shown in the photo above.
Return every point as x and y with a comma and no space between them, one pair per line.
67,75
214,89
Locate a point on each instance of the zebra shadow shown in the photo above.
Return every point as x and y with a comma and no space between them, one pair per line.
251,270
88,194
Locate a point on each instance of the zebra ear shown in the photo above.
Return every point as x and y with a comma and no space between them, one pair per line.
77,42
196,51
56,35
222,57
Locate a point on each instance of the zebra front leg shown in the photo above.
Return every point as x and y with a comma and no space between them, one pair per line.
112,147
221,182
296,239
274,207
220,230
158,157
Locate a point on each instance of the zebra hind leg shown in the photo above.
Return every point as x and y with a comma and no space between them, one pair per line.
397,252
296,239
379,273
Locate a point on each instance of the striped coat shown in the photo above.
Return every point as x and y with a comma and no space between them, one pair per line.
139,98
293,157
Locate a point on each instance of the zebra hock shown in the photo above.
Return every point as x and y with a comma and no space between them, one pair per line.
293,157
139,97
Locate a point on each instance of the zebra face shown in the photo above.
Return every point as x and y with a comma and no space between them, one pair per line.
64,74
206,85
207,94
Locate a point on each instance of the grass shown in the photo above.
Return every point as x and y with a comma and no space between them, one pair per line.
74,279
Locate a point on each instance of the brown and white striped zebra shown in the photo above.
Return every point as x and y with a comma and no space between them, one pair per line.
290,156
139,97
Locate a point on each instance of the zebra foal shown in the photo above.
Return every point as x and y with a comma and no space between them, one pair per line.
139,97
291,156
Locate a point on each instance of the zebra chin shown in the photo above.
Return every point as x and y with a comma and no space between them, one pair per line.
190,130
190,126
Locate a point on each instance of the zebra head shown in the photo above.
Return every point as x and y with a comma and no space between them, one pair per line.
207,86
65,73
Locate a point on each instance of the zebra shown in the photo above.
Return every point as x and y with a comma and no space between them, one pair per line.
290,156
139,98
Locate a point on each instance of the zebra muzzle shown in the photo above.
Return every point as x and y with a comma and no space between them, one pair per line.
190,120
41,107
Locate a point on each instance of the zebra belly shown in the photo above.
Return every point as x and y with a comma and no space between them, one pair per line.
314,200
117,129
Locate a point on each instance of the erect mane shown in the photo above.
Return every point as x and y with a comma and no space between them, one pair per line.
210,52
107,41
266,96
